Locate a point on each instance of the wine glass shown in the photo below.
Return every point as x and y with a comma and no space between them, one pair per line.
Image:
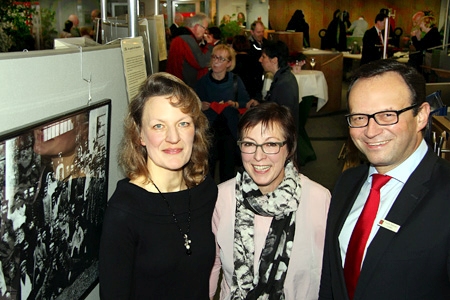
312,63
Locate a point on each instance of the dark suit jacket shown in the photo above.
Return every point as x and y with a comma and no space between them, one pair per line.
372,48
413,263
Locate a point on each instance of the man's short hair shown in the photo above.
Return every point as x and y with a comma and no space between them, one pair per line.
413,79
216,33
253,26
196,19
277,49
380,17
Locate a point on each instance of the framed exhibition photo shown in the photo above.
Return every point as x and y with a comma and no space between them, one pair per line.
53,193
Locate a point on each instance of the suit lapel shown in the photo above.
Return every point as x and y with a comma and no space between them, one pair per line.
410,196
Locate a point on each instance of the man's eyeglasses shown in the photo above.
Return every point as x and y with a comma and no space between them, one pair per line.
202,26
267,148
383,118
219,58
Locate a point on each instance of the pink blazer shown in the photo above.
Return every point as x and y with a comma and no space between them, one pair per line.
304,270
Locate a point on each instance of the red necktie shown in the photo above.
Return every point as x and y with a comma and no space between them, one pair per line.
381,37
360,234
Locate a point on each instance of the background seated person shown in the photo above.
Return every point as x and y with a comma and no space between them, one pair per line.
222,93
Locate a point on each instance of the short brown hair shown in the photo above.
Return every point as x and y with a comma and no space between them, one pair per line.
268,114
133,156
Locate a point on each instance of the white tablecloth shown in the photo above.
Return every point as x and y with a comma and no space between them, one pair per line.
310,83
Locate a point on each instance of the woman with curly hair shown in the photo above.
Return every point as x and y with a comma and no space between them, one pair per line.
157,228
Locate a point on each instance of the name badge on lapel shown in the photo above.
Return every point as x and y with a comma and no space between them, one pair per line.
389,225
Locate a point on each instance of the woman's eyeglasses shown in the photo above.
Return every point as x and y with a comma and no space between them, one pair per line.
219,58
267,148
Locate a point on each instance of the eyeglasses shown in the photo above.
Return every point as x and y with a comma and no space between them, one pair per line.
202,26
219,58
383,118
267,148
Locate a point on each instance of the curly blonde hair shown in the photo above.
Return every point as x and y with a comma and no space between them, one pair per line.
133,156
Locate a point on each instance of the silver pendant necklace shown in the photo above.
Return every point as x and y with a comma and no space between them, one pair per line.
185,236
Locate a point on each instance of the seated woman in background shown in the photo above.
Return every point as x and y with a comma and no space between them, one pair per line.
222,93
157,228
270,220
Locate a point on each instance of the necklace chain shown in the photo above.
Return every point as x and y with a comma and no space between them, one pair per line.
185,236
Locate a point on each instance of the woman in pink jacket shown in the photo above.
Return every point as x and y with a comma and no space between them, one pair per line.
269,221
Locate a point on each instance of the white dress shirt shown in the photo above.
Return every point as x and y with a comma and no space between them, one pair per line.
388,194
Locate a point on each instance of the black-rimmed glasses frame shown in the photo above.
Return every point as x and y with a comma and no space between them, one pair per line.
279,144
374,116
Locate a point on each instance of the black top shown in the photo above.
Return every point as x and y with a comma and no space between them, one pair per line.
298,23
142,253
430,40
372,48
243,66
284,91
256,71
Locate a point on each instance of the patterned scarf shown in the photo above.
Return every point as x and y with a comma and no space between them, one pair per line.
280,204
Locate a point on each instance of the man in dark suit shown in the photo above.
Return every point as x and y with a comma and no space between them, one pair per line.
373,41
406,252
175,27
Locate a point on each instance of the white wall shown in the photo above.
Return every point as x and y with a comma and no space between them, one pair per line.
253,9
256,9
40,84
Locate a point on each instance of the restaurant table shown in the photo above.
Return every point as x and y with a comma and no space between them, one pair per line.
352,56
311,85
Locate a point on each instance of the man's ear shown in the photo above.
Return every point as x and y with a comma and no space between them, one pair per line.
423,115
275,60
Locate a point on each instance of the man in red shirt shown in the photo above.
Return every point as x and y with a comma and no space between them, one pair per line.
187,60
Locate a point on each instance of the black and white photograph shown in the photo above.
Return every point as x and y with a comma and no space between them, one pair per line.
53,192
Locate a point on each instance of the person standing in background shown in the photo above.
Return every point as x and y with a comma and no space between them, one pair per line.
74,31
373,41
177,23
425,37
216,35
187,60
256,42
358,27
96,31
298,24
